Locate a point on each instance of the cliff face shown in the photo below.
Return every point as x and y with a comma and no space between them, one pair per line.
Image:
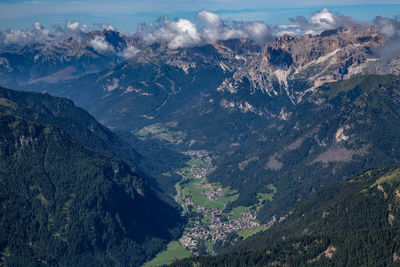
310,61
307,48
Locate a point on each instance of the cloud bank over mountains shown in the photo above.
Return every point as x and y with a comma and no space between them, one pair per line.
210,28
323,20
40,35
207,27
100,44
390,29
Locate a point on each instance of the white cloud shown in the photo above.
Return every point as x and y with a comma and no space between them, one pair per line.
179,33
216,29
14,36
324,19
388,27
128,52
72,26
37,26
100,45
290,26
39,35
285,32
22,37
108,27
256,31
311,32
210,28
209,18
390,30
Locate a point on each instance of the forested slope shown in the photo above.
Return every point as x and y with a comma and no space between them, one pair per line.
351,223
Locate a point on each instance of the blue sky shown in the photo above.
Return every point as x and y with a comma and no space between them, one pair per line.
126,15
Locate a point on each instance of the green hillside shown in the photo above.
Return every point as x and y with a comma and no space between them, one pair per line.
351,223
339,130
65,198
63,203
45,109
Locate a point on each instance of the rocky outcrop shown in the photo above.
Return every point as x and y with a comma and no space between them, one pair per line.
295,65
228,55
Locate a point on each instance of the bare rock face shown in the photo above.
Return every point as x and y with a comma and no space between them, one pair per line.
308,48
310,61
229,55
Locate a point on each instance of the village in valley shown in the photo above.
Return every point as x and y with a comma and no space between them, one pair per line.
217,229
206,204
208,201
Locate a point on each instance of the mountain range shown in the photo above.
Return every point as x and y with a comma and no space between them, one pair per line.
65,57
279,112
300,132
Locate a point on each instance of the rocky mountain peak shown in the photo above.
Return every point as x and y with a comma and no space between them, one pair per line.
311,60
228,54
300,50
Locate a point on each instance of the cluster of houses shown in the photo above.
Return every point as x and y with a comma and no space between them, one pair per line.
217,228
214,194
218,225
200,172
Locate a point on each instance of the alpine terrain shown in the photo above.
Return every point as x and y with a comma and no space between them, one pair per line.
208,143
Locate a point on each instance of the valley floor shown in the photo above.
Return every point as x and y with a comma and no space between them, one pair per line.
205,204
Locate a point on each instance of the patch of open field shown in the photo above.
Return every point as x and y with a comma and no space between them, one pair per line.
174,251
237,212
158,131
250,231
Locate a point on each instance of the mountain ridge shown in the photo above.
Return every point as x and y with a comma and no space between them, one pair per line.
64,201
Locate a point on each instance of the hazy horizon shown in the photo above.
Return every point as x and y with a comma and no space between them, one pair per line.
125,16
